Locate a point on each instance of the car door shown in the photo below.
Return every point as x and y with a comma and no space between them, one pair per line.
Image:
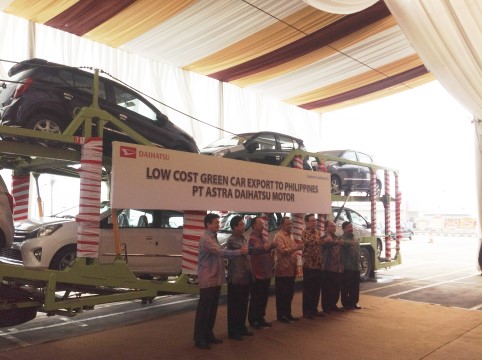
77,88
361,226
340,216
138,237
350,173
168,247
139,115
364,171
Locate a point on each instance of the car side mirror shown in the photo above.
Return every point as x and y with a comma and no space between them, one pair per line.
369,225
251,146
163,119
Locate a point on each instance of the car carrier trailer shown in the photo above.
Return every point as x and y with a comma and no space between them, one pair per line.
24,292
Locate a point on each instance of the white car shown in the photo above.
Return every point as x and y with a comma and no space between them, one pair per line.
6,211
151,240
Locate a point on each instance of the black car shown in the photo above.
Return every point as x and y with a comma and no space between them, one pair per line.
264,147
44,96
346,177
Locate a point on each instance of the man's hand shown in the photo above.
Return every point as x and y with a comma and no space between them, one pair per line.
244,250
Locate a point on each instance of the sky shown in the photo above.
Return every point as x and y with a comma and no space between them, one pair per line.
425,134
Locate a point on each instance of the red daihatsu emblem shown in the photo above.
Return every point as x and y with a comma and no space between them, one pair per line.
127,151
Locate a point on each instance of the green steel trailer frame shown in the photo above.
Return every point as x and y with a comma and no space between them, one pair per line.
24,292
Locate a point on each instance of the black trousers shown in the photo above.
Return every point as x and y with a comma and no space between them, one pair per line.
350,288
206,310
238,296
312,282
331,289
285,290
259,291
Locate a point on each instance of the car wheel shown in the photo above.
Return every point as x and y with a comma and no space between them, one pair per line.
366,264
335,184
63,258
15,316
3,240
46,122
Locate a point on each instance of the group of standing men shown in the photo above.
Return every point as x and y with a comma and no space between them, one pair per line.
330,267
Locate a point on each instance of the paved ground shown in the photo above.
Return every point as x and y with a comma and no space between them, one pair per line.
439,270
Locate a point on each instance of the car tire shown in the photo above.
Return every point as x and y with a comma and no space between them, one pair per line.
3,240
335,184
46,122
63,258
366,263
15,316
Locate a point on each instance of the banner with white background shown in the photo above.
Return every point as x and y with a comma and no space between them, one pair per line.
146,177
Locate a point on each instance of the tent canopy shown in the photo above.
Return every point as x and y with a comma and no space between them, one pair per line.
285,49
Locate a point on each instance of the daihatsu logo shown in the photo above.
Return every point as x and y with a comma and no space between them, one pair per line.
128,152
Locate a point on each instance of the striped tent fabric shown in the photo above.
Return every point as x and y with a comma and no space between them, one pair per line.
285,49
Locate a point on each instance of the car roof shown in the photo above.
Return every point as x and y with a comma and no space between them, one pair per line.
250,134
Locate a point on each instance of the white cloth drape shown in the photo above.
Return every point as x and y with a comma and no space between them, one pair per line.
186,95
12,29
341,6
447,35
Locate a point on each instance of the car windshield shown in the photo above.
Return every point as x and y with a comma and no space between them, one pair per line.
229,141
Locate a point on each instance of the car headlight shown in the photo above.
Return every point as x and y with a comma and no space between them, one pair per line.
46,230
221,153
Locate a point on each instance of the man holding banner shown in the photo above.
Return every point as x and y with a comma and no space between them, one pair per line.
285,271
211,277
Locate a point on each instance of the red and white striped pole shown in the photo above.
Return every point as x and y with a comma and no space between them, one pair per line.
373,200
320,224
398,204
298,220
88,231
192,231
388,254
20,192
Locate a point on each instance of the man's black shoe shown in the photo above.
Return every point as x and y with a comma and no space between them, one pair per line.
338,309
215,340
256,325
202,345
348,307
265,324
235,337
357,307
292,318
246,332
311,317
284,320
320,314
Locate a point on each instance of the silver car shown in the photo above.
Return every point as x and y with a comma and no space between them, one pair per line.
6,220
152,241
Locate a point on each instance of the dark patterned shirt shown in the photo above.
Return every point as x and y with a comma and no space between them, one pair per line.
350,253
331,254
312,249
261,260
239,270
